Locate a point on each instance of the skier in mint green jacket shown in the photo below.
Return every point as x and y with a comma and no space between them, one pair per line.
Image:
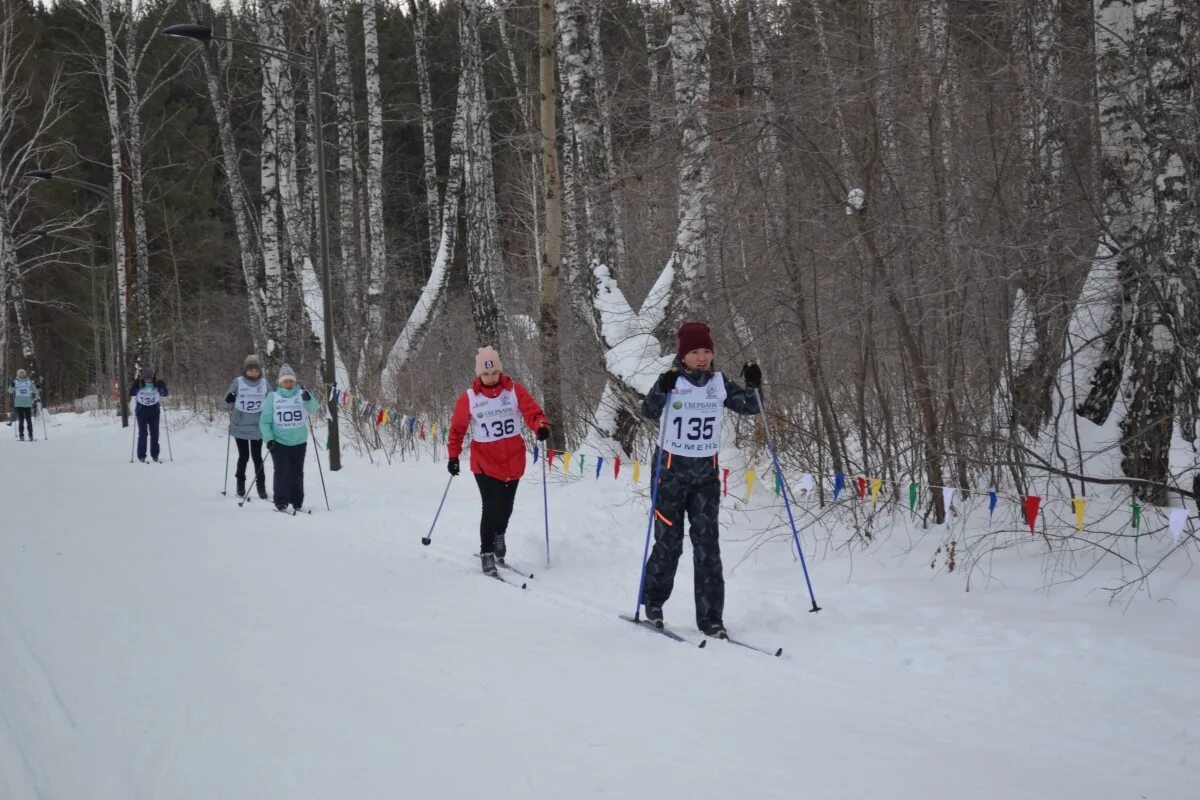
284,426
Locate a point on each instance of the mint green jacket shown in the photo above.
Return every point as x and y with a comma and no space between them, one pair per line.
274,430
25,397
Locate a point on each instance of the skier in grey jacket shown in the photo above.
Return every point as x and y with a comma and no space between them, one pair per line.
245,401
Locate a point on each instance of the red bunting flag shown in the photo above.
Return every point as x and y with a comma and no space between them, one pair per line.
725,482
550,459
862,488
1032,502
422,431
379,418
617,467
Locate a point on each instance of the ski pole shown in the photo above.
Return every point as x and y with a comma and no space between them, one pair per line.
786,503
133,434
317,453
45,436
662,439
228,441
546,509
167,428
429,538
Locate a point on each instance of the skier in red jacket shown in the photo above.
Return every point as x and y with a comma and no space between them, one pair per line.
493,409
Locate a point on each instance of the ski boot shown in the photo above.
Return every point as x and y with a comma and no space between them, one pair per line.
241,486
488,562
501,550
654,615
714,629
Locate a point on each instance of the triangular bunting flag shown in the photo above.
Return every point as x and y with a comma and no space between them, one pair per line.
566,461
876,485
947,499
991,502
807,483
839,481
1137,515
599,464
725,482
750,477
1078,503
616,467
862,488
912,496
1032,503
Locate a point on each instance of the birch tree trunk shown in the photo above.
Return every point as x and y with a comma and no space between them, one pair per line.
347,212
133,146
274,132
485,270
1144,272
597,229
118,194
420,11
377,260
691,29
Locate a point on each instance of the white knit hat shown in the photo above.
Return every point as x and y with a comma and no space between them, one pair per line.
286,373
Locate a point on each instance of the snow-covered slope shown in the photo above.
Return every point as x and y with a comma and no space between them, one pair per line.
156,641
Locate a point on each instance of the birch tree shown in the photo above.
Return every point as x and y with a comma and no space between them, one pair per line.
691,30
1144,274
108,25
275,138
267,339
485,268
377,240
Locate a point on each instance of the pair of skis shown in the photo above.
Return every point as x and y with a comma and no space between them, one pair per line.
675,636
511,568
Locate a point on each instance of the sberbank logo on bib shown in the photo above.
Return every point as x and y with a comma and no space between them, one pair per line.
677,405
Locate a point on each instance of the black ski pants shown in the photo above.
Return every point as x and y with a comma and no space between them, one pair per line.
147,422
25,419
247,449
688,486
288,462
497,496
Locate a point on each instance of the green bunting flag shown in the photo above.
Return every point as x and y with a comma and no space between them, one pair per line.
912,497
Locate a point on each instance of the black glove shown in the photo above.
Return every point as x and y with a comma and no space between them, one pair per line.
753,375
452,466
271,445
160,385
229,398
304,395
543,433
666,381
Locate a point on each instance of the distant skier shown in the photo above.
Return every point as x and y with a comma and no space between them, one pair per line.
245,400
24,394
147,392
493,409
689,480
284,427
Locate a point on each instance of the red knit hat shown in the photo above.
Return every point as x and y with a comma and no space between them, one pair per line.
694,336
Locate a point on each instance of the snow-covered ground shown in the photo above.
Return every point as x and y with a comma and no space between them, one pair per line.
156,641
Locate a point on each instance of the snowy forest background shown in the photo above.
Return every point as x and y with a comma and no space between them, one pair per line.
961,236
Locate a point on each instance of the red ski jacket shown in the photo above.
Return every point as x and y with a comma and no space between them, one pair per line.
503,459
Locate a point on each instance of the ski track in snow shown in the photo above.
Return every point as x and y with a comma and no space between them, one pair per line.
157,641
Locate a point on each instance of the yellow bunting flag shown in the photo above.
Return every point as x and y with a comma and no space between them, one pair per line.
876,485
1079,503
637,471
750,478
566,462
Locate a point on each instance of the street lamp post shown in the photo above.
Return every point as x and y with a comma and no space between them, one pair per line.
204,34
103,193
